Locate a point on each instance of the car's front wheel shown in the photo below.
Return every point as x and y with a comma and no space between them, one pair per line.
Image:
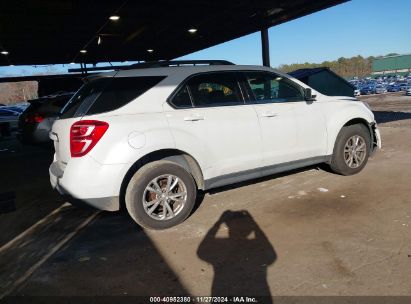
160,195
351,150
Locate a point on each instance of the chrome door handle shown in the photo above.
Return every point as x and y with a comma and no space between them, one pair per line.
269,114
194,118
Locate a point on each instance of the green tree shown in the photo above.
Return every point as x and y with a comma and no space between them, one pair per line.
345,67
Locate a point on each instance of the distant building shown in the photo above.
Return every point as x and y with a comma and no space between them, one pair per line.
399,64
324,81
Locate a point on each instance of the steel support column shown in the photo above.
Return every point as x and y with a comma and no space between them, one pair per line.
82,69
265,47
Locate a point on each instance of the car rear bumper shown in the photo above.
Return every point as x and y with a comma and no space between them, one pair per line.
92,186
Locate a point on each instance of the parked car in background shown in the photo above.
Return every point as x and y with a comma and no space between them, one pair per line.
36,121
14,108
20,108
8,121
408,92
403,86
393,88
367,90
380,89
392,83
357,92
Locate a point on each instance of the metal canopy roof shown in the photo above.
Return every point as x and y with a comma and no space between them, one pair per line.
54,31
302,73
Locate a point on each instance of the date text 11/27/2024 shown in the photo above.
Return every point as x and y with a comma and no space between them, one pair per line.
187,299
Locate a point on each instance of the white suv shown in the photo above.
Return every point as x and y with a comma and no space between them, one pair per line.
148,138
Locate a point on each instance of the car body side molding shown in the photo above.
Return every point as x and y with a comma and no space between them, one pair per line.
263,171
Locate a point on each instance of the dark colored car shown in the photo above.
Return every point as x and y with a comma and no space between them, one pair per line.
8,121
367,90
19,109
394,88
36,121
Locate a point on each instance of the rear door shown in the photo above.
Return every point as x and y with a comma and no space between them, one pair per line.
208,117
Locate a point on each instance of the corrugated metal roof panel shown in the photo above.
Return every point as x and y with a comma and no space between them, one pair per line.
392,63
302,73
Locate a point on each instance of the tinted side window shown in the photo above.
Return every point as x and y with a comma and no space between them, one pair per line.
215,89
267,87
107,94
86,95
182,99
61,101
122,90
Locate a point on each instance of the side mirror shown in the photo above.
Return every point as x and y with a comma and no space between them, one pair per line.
308,94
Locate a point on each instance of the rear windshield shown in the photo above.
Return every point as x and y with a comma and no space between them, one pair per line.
107,94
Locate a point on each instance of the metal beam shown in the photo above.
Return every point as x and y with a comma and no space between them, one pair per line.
152,64
265,47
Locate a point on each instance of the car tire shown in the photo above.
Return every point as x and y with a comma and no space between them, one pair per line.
350,156
148,189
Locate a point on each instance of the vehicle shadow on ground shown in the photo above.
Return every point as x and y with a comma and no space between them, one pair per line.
111,256
201,194
240,254
387,116
114,256
24,174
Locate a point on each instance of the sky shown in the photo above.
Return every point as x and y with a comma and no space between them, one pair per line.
358,27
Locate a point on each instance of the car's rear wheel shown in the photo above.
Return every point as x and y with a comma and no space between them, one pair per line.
351,150
160,195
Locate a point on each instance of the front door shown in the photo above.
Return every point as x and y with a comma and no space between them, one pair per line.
208,117
290,126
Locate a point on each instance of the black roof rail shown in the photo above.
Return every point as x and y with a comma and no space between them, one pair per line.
154,64
170,63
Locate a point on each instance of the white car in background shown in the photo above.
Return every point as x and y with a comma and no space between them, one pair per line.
149,138
380,89
408,91
403,86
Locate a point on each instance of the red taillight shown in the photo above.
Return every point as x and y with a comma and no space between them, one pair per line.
84,135
34,118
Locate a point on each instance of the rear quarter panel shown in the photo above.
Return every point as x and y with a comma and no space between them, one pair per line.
135,129
129,137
